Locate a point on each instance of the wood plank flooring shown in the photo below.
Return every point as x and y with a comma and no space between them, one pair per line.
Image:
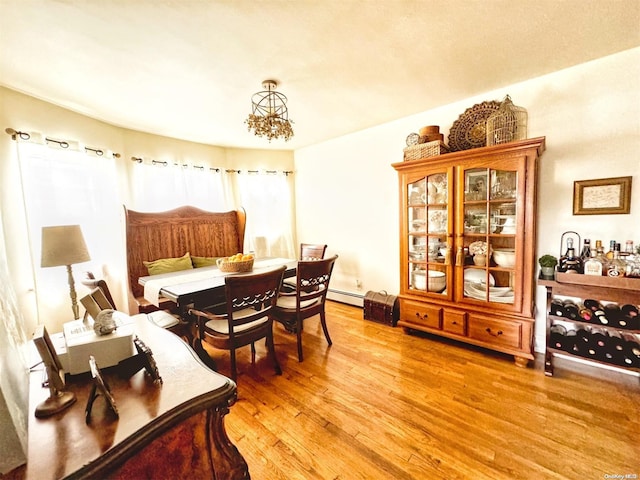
381,404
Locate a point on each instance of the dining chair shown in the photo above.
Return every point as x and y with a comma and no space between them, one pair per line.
312,251
245,318
308,251
161,318
308,299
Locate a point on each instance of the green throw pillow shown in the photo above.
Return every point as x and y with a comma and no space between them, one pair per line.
203,261
166,265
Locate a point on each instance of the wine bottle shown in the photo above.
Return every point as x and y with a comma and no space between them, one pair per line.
569,262
557,334
592,305
631,352
598,343
571,309
616,347
556,308
612,314
569,343
582,342
629,319
585,314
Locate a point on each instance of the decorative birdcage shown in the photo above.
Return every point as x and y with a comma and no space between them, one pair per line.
507,124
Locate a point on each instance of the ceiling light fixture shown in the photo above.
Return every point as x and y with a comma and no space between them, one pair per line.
270,117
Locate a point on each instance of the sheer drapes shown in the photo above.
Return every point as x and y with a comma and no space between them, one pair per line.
267,198
164,186
69,187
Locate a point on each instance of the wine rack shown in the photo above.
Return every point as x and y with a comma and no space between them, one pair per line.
603,328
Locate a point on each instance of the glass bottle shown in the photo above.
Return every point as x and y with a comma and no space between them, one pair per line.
586,250
616,266
593,266
612,247
569,262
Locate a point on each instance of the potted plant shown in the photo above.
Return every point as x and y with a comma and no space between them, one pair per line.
547,265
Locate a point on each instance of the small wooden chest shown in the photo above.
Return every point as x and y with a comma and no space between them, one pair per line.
381,307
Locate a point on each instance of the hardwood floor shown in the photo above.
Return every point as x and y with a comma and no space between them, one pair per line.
381,404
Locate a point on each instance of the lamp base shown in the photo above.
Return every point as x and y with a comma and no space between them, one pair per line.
55,403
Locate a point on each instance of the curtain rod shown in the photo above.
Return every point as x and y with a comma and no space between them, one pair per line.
62,143
164,163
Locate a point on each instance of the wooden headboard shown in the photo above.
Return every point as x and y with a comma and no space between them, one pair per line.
170,234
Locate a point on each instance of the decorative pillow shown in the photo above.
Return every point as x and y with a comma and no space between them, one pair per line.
166,265
203,261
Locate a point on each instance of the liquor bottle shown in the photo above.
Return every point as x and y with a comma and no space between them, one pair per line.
569,262
616,266
593,266
586,250
612,247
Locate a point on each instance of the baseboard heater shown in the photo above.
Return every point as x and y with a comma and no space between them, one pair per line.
350,298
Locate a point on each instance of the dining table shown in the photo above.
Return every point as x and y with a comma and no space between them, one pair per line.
203,288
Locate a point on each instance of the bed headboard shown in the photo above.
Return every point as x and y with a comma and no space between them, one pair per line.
170,234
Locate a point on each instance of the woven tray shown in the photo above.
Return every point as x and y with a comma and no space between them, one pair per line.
423,150
234,267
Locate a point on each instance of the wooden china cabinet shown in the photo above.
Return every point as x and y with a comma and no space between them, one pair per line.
454,207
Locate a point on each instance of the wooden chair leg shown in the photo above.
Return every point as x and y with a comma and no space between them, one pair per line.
253,354
272,351
323,321
203,355
299,335
234,373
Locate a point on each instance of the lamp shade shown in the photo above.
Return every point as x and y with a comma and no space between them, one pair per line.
63,245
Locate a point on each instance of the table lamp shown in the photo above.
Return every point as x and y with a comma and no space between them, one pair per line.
64,245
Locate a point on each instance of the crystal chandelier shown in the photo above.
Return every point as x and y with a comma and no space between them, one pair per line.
270,117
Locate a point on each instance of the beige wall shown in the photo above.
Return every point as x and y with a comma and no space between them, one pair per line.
589,114
25,113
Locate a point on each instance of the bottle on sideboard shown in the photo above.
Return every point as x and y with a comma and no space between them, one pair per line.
612,247
570,262
556,308
630,318
616,267
571,310
616,347
585,254
582,342
593,266
631,352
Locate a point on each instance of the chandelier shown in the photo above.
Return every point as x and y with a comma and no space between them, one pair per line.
270,117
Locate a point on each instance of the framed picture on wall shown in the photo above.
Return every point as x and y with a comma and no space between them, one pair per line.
605,196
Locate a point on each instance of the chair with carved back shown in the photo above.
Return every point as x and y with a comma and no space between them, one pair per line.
161,318
246,318
308,299
308,251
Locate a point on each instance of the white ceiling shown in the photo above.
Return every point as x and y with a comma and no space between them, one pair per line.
187,69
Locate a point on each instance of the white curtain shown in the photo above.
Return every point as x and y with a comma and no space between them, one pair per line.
160,186
68,186
268,200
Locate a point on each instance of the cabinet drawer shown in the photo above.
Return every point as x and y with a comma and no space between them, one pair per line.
497,332
421,314
454,322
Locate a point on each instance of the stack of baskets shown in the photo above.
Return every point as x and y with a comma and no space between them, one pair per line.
430,144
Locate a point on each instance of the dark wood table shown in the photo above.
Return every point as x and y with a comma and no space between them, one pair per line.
169,430
204,286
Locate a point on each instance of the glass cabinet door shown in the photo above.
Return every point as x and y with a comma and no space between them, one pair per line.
487,248
429,224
